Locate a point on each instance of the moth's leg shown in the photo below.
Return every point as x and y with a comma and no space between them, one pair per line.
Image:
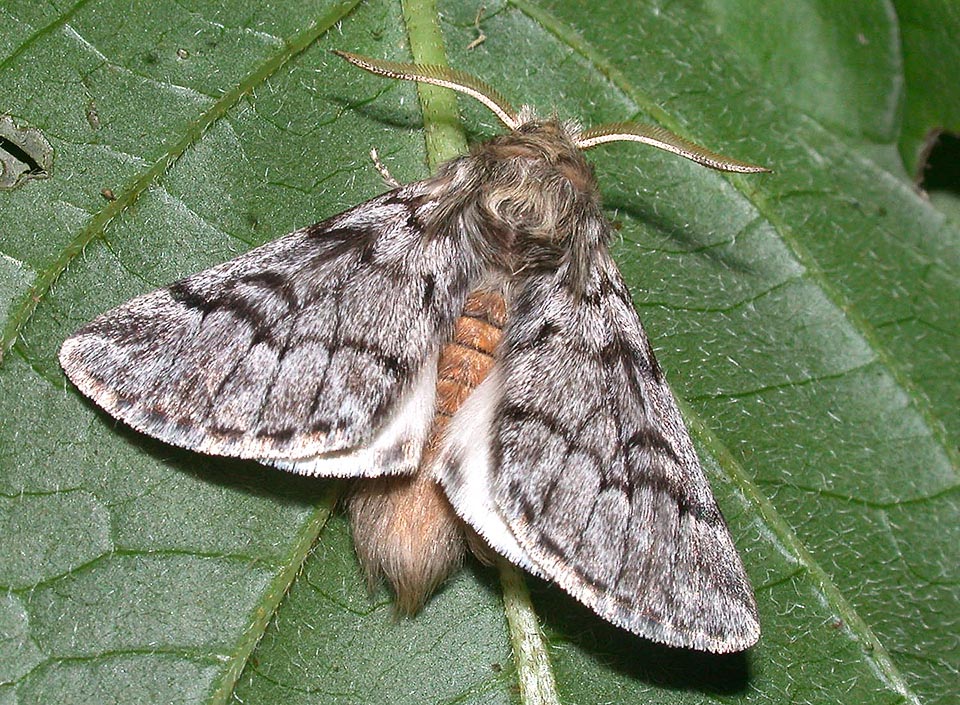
481,37
383,170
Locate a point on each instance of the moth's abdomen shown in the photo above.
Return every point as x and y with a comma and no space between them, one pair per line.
404,529
467,359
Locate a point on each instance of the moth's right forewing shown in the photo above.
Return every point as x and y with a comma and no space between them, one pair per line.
304,350
581,466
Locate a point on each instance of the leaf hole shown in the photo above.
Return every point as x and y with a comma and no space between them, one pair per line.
940,163
32,166
25,154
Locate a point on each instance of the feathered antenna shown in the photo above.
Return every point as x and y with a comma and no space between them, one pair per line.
489,96
665,140
440,76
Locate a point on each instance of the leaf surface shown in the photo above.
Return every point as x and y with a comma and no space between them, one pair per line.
807,320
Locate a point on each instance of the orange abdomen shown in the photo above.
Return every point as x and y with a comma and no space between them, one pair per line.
466,360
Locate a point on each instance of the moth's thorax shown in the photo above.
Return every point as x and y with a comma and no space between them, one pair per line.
528,194
539,155
545,149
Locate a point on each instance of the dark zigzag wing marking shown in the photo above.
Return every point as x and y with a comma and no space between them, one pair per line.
596,475
299,347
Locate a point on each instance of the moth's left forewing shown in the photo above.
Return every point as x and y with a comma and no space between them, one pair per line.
316,352
572,460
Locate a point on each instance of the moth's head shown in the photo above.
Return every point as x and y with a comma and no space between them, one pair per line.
526,118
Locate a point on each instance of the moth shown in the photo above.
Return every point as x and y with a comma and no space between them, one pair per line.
467,346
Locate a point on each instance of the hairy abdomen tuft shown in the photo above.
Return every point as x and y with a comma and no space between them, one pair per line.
404,528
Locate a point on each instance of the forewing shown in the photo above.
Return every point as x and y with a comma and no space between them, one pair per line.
572,459
300,352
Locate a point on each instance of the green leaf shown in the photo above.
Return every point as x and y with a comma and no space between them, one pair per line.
807,319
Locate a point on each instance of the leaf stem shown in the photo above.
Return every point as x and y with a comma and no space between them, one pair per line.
534,671
441,121
445,140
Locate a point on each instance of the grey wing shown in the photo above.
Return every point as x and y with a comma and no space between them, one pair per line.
315,352
572,460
